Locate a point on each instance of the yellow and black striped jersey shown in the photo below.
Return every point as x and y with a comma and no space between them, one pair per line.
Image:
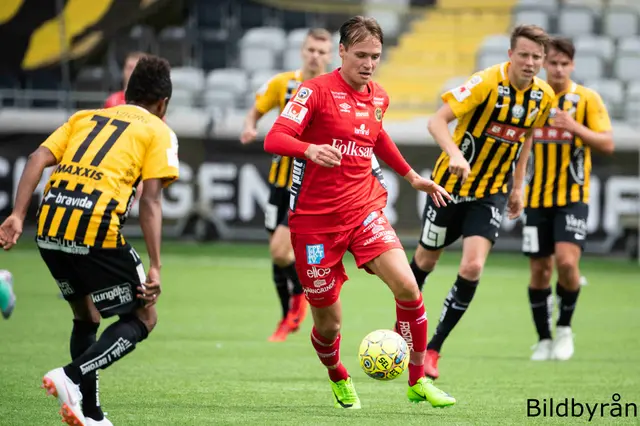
276,93
560,168
102,156
493,119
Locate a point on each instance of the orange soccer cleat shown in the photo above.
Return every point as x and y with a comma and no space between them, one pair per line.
280,335
298,312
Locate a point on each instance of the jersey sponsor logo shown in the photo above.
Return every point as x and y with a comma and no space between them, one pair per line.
576,225
504,91
461,93
536,95
576,165
377,101
74,170
294,112
468,146
518,111
339,95
303,95
345,107
505,132
315,254
572,97
73,199
351,148
114,296
318,272
370,218
552,134
533,114
362,130
362,114
378,114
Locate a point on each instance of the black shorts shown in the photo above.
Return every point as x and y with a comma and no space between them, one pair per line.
277,210
442,226
545,227
110,276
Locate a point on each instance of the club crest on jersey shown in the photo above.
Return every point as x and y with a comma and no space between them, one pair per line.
315,254
303,95
378,114
518,111
294,112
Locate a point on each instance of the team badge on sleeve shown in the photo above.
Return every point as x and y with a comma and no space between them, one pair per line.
378,114
294,112
302,95
315,254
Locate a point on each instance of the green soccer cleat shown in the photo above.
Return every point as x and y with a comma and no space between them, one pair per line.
345,394
425,390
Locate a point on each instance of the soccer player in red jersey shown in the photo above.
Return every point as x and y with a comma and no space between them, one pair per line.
333,129
130,62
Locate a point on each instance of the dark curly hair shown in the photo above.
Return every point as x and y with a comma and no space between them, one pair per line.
150,81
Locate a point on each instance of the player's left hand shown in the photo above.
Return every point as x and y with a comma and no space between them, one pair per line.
150,290
10,231
515,204
438,194
564,120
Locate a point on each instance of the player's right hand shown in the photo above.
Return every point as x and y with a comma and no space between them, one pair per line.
10,231
248,135
150,290
324,155
459,166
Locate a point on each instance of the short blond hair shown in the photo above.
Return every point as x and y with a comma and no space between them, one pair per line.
319,34
531,32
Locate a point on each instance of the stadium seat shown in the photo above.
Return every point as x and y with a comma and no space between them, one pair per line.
620,22
632,4
633,91
250,15
259,78
626,66
535,17
272,38
219,98
232,80
599,45
588,67
292,59
632,112
91,79
595,5
190,79
546,5
291,19
174,45
211,14
576,21
498,43
296,37
257,58
213,49
629,45
181,98
611,91
487,60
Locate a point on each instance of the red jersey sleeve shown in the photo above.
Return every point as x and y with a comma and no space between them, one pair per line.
294,118
388,152
298,113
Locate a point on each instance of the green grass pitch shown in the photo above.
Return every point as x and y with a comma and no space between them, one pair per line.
209,362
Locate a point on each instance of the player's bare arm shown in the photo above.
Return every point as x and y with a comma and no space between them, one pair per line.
11,228
516,201
439,129
600,141
151,224
249,131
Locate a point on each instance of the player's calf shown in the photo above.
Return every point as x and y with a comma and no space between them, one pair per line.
423,263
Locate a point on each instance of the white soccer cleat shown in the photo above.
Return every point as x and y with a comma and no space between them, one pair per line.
542,350
103,422
58,384
563,344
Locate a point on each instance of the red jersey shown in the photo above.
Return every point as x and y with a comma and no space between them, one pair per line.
326,110
115,99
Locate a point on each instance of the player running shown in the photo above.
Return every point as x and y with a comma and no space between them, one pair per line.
101,155
333,128
496,110
316,56
557,198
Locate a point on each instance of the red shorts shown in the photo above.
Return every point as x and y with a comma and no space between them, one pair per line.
319,256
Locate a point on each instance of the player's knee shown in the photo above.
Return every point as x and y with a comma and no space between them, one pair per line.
281,254
472,269
329,328
567,265
426,259
541,270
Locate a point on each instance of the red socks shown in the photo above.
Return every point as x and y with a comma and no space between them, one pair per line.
329,354
412,326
